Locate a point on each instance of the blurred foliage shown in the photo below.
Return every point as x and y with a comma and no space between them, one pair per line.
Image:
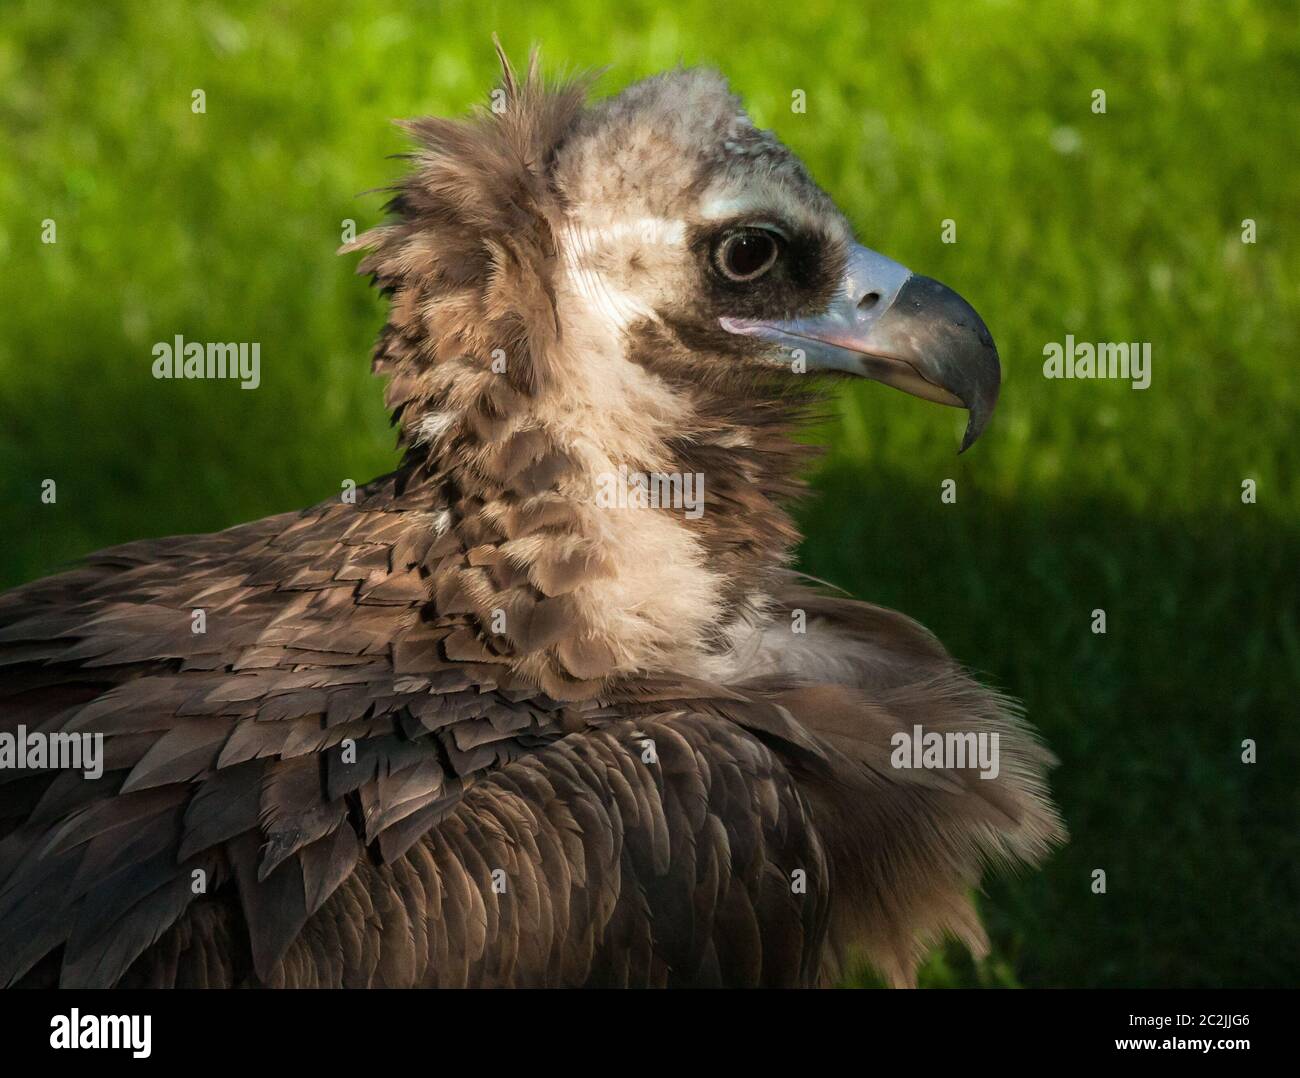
1081,495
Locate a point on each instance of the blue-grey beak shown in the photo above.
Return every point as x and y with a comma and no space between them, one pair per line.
890,325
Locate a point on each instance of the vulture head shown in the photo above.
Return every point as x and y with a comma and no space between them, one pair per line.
701,245
645,289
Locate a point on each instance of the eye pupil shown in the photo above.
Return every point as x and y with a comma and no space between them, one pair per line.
745,256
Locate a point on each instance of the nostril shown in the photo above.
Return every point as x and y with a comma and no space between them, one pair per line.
868,301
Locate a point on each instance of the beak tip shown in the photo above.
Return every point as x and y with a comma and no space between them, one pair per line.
980,412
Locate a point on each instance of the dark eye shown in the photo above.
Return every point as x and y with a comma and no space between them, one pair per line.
746,255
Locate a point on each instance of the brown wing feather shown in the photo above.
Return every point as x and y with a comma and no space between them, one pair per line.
345,819
244,763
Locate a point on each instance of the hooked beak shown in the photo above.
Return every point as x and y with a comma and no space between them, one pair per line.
890,325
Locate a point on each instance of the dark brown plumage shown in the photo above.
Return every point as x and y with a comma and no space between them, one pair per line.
471,730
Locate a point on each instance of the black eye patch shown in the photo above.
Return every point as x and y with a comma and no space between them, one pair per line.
753,270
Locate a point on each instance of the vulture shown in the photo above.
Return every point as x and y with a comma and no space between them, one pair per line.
477,725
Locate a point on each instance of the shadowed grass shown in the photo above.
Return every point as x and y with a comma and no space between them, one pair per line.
1201,852
1081,495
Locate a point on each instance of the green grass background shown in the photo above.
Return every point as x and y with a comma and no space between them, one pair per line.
1081,495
